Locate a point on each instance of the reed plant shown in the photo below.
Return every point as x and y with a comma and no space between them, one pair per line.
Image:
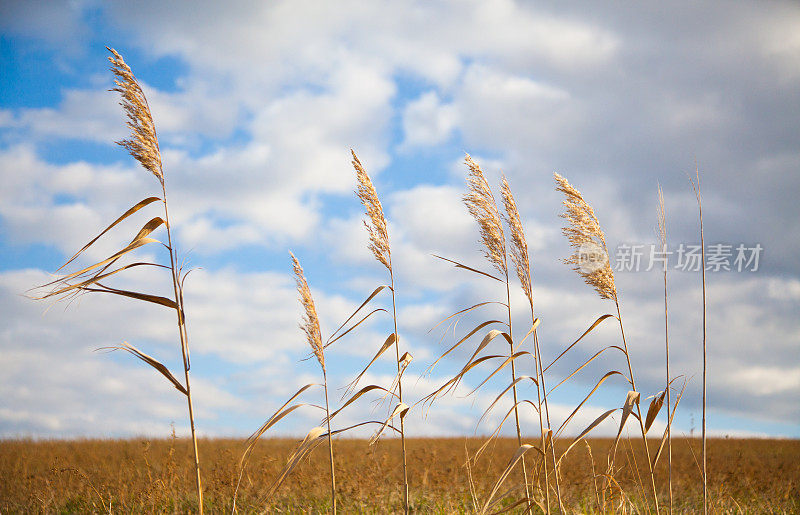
586,236
696,187
662,237
143,146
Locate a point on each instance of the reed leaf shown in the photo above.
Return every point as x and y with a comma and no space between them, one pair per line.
653,410
160,367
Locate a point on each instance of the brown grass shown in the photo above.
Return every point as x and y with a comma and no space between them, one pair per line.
147,476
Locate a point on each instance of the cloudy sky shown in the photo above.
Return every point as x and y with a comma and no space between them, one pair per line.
258,105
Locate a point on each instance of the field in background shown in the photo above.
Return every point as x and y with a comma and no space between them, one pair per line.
141,475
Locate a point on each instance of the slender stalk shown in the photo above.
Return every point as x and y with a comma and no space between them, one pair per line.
547,415
330,442
399,388
539,404
514,388
705,356
638,409
184,345
669,401
662,234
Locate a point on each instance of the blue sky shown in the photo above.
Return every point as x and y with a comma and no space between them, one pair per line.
257,108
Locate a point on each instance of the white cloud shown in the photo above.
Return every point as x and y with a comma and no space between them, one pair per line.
427,122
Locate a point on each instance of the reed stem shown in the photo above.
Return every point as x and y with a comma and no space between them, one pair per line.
330,441
184,345
399,388
638,409
514,389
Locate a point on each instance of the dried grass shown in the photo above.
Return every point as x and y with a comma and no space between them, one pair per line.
143,143
310,325
585,234
483,208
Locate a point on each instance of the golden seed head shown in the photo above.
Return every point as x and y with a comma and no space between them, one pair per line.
376,222
310,325
586,235
482,206
143,143
519,245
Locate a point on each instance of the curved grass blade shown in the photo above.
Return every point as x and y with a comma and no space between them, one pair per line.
467,310
586,431
125,215
600,382
496,432
654,409
386,345
631,400
508,360
371,296
163,370
364,319
96,278
358,394
399,410
591,328
671,417
271,420
508,388
514,460
462,340
454,381
135,244
314,437
155,299
586,363
465,267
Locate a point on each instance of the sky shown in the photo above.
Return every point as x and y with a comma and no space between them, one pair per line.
257,105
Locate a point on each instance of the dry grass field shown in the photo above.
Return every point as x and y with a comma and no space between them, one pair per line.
156,476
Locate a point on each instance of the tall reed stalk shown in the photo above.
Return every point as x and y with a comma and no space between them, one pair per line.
143,146
379,246
521,260
696,187
482,206
310,327
662,235
586,235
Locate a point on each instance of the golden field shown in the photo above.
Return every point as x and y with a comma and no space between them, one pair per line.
155,476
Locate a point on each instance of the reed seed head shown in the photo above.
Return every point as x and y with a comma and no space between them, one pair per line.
519,245
143,143
482,206
586,237
310,325
376,222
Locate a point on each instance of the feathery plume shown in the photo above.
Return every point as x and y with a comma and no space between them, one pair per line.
519,245
590,257
482,206
310,325
143,144
376,226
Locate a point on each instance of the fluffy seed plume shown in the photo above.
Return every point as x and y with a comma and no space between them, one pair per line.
590,256
482,206
519,245
310,325
143,144
376,223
